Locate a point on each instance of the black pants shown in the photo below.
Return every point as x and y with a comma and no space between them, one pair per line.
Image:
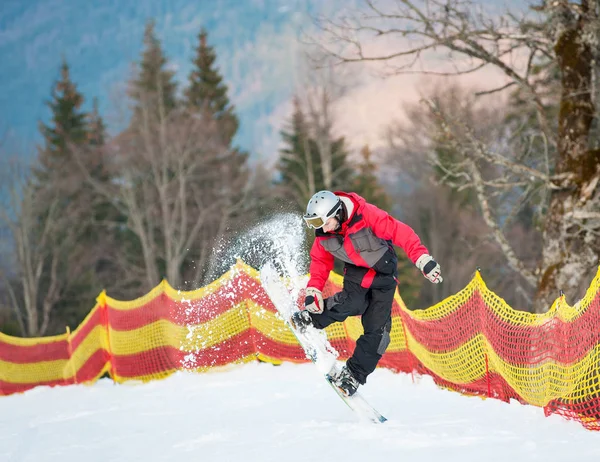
375,306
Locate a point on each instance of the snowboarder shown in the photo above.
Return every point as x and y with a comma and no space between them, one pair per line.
349,228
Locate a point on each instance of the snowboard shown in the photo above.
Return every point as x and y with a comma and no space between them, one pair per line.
314,343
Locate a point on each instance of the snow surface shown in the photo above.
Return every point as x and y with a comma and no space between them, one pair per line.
259,412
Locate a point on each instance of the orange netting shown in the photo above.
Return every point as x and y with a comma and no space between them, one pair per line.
472,342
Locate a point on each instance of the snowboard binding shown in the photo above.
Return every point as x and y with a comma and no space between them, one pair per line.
344,381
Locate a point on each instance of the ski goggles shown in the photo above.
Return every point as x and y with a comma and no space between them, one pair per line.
316,222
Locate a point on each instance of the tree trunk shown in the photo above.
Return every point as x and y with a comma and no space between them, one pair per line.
571,249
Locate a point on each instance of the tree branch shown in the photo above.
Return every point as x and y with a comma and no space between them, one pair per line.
499,236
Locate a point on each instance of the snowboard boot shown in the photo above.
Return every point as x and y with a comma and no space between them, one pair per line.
345,381
300,320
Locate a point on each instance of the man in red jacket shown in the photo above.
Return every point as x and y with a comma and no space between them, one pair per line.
363,236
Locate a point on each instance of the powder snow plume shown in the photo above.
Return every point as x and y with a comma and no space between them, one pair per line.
280,240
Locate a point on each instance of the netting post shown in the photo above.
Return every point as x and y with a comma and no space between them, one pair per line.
487,360
70,351
105,322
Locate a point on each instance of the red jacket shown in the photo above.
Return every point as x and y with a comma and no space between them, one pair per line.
364,242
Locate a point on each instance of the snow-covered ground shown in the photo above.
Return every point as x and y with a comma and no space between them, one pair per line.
259,413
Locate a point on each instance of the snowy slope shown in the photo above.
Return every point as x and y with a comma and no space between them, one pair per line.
259,413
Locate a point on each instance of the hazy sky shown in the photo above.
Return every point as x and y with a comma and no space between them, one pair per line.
256,42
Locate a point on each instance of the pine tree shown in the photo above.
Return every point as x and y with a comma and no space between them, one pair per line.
64,208
207,92
207,97
301,159
297,160
185,180
366,183
97,128
69,126
343,174
154,89
96,140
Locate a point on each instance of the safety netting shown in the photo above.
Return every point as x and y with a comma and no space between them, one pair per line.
472,342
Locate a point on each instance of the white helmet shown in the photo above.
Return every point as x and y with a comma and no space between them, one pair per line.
322,206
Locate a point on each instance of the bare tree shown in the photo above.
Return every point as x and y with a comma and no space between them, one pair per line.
179,185
43,231
448,216
566,35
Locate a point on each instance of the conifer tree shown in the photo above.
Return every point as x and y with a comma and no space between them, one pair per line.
154,89
343,173
298,159
97,127
207,97
301,160
69,126
57,210
96,140
366,182
184,182
207,92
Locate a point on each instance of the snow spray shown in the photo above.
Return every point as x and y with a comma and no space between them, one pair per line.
280,240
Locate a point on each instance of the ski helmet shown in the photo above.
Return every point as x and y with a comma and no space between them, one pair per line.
322,206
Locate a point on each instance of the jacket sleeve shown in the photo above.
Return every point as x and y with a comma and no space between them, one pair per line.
387,227
321,263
